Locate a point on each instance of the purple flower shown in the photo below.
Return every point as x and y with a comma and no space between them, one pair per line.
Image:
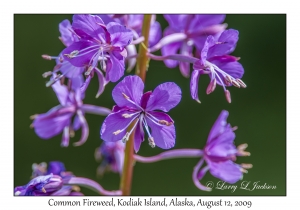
220,154
59,118
223,69
41,185
135,23
99,43
112,155
195,28
134,107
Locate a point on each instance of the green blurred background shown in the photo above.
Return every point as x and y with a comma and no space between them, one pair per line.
259,111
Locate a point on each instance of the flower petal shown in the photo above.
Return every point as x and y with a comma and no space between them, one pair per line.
154,34
95,109
194,85
219,126
200,22
229,65
115,122
83,57
116,71
61,92
164,136
170,49
164,97
228,39
208,43
185,66
46,127
177,22
138,136
67,37
131,86
120,36
227,171
86,26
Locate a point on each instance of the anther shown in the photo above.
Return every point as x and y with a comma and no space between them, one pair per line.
47,74
228,79
151,142
127,115
125,138
76,188
117,132
241,83
246,165
243,170
31,125
125,96
211,87
47,57
32,117
235,83
234,128
241,150
72,54
164,122
227,95
43,190
89,70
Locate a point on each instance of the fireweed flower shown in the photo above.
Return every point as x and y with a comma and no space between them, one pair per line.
68,37
59,118
99,43
41,185
112,156
56,168
223,69
220,154
135,107
135,23
186,31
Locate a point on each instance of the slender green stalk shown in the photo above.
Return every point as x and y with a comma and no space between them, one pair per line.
141,68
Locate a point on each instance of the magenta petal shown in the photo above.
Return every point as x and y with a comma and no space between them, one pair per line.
131,51
164,97
177,22
154,34
219,126
120,36
69,70
170,49
46,127
164,136
131,86
145,99
67,37
227,171
86,26
102,82
138,136
115,122
208,43
84,129
185,66
117,68
200,22
61,92
82,58
228,39
92,109
194,85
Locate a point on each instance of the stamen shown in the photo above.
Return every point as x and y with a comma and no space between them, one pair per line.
47,74
31,125
48,57
164,122
151,142
76,188
243,170
125,96
18,193
241,83
51,82
117,132
228,79
241,150
32,117
71,133
235,83
89,70
234,128
227,95
246,165
129,115
125,138
211,86
72,54
43,190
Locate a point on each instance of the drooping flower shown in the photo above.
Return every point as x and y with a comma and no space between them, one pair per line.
134,107
59,118
111,155
99,43
222,68
195,29
41,185
220,154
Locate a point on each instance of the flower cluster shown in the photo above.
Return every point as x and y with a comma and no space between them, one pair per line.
102,45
